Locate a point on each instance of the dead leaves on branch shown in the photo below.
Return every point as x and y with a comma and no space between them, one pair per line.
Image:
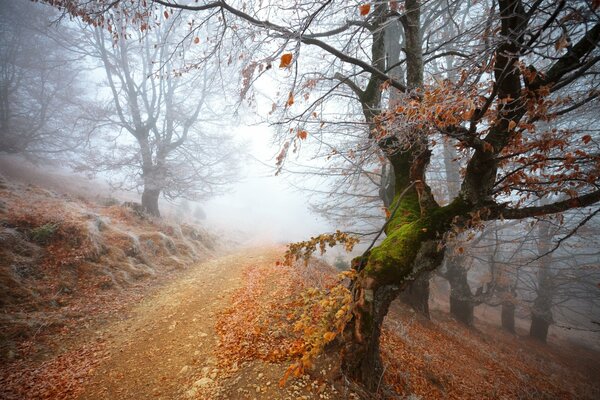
304,250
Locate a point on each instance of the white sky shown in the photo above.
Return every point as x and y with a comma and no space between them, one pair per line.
264,205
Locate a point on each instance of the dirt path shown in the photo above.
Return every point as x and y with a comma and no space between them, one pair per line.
167,349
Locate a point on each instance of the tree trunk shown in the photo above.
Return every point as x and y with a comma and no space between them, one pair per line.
461,308
373,295
361,359
539,327
541,312
416,295
508,316
462,303
150,201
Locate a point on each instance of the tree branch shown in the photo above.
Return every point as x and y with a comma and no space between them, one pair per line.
552,208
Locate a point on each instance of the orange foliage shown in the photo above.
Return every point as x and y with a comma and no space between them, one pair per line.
302,134
275,298
290,99
286,60
305,249
364,9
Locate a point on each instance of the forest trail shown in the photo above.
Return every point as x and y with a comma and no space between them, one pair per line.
168,348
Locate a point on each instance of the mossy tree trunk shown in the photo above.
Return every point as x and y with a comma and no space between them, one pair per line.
410,249
418,223
412,243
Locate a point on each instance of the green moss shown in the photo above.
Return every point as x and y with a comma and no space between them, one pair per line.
441,218
392,260
408,211
43,234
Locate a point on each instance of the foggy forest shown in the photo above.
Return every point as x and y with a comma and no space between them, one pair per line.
285,199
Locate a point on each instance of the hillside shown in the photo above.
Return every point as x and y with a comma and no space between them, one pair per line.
100,301
66,258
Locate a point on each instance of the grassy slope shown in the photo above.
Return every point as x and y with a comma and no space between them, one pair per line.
64,259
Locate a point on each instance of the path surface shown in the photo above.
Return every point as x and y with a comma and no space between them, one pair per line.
169,343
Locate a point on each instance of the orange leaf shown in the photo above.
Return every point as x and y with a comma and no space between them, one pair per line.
586,139
364,9
302,134
290,99
388,213
197,40
329,336
286,60
512,125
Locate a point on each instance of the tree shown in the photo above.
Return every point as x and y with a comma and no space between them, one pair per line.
560,281
39,83
526,72
173,146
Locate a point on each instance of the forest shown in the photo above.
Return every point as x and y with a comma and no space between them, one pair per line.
284,199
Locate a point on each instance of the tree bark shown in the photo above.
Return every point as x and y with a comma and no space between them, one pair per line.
373,295
541,312
416,295
539,327
361,359
460,308
508,316
462,303
150,201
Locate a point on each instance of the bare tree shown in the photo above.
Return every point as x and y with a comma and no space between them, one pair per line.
170,108
39,86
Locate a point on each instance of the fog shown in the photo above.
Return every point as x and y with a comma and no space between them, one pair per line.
459,151
264,206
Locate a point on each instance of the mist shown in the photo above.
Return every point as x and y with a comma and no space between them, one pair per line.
368,199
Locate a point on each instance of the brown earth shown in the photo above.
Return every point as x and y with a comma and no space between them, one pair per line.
169,349
169,343
166,346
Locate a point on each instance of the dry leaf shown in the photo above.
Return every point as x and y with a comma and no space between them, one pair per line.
302,134
286,60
